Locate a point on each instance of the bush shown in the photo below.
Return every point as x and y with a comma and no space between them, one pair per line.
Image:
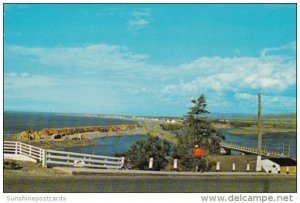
11,165
187,162
171,126
138,156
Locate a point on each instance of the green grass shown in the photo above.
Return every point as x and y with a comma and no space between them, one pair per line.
272,123
153,128
253,131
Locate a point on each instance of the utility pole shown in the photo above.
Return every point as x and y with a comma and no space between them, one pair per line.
259,134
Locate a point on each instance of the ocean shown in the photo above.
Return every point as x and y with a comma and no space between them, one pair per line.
16,122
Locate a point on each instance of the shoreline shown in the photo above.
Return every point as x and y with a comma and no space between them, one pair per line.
235,131
88,141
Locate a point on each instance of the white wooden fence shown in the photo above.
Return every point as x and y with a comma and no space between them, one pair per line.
83,160
50,157
20,148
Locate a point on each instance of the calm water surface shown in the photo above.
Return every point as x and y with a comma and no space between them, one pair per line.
279,142
108,146
15,122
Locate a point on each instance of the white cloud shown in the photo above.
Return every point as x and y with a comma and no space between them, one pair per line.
270,73
114,70
13,74
24,74
103,68
245,96
25,80
100,56
270,103
137,23
140,19
271,51
141,13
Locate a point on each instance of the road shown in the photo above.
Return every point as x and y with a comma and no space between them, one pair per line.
121,183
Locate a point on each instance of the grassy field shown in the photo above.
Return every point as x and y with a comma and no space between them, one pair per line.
153,128
251,131
280,123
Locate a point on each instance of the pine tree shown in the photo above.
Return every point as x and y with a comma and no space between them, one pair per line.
199,128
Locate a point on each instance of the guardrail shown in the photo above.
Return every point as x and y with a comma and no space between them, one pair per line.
251,150
55,157
11,147
50,157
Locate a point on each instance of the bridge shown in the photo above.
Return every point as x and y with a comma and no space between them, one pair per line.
251,150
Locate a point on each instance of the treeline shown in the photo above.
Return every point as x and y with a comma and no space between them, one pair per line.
171,126
273,124
242,124
81,129
219,121
177,126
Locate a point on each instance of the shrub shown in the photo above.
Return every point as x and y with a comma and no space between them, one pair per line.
187,162
138,156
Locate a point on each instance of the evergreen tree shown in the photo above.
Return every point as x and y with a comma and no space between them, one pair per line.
199,129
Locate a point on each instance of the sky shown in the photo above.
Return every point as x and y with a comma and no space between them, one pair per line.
149,59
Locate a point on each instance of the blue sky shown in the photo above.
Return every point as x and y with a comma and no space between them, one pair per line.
143,59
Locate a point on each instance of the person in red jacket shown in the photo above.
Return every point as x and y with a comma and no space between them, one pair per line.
198,154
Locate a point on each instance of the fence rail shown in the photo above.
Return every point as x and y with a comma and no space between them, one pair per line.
54,157
20,148
83,160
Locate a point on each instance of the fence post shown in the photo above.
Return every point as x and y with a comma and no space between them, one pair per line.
287,170
44,163
40,155
20,148
84,158
122,161
248,167
151,163
218,167
233,167
175,165
29,150
16,149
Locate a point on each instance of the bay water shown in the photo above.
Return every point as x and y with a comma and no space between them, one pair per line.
16,122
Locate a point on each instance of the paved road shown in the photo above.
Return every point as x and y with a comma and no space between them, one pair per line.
119,183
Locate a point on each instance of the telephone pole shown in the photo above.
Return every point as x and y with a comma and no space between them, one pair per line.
259,134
